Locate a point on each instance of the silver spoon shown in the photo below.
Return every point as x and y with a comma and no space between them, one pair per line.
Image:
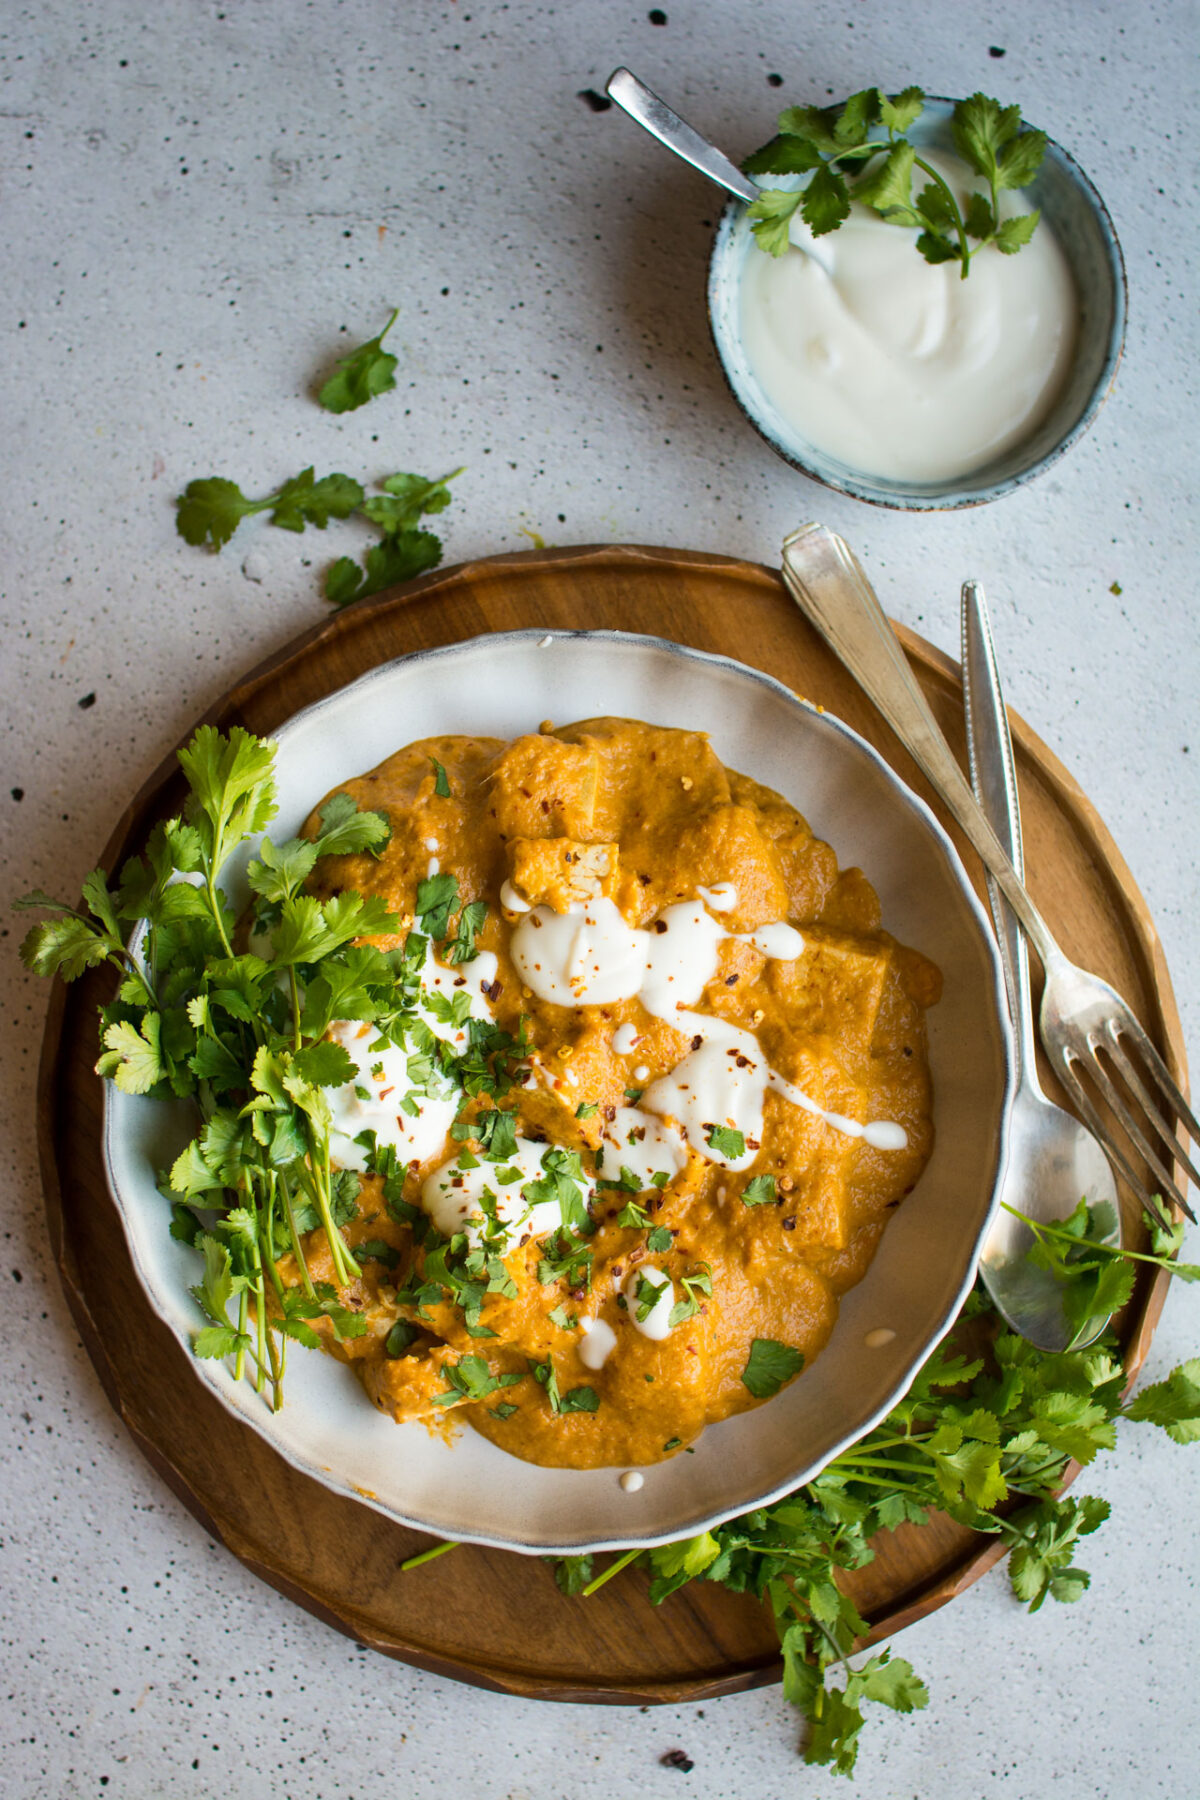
656,117
1053,1160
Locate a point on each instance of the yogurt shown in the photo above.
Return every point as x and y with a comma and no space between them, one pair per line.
898,367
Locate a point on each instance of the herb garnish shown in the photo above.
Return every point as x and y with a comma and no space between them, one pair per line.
726,1141
769,1365
211,508
759,1191
245,1035
831,144
1097,1277
697,1281
367,371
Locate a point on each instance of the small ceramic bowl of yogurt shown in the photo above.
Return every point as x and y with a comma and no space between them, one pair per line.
894,380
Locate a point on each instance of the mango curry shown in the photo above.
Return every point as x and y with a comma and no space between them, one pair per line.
656,1079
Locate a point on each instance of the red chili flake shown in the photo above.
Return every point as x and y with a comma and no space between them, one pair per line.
494,992
545,805
789,1224
697,1041
660,925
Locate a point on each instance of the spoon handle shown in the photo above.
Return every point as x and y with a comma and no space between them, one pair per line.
994,778
656,117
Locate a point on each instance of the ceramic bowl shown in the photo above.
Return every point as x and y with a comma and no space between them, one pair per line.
502,685
1079,219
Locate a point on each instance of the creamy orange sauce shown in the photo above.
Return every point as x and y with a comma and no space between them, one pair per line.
645,817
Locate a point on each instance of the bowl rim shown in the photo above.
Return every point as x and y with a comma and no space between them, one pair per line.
950,499
261,1421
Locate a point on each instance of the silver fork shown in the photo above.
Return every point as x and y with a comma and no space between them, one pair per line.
1086,1027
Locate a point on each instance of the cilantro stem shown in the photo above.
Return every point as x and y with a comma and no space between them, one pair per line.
239,1363
960,229
297,1246
414,1562
615,1568
1055,1231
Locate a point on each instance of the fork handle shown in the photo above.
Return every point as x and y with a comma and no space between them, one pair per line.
824,578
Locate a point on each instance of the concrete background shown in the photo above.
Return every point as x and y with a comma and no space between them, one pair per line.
196,201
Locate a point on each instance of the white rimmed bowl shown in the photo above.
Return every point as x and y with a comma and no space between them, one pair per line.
502,685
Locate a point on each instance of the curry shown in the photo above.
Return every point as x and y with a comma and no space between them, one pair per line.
656,1083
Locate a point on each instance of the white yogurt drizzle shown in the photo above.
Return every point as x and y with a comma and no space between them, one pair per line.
589,956
599,1342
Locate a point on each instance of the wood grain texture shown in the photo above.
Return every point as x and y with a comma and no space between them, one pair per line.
488,1616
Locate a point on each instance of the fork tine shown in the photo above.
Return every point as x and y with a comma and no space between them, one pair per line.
1156,1067
1100,1129
1132,1080
1116,1103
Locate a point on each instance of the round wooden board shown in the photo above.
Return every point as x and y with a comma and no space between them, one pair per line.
488,1616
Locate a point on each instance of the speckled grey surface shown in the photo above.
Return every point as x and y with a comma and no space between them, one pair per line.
197,200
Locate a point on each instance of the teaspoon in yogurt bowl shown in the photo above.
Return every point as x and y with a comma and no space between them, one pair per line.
684,141
1053,1161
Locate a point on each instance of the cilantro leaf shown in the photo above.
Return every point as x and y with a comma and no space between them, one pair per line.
1014,233
211,508
345,828
367,371
399,557
726,1141
441,785
405,498
826,201
784,155
1174,1404
436,897
902,110
769,1365
772,213
759,1191
133,1055
467,926
889,188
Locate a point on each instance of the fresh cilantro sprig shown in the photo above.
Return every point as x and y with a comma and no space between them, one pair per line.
367,371
211,508
859,152
986,1440
244,1035
1096,1276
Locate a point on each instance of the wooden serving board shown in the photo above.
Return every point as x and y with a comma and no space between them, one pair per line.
488,1616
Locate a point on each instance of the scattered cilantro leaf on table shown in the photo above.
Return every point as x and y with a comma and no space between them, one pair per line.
859,152
367,371
405,550
211,508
